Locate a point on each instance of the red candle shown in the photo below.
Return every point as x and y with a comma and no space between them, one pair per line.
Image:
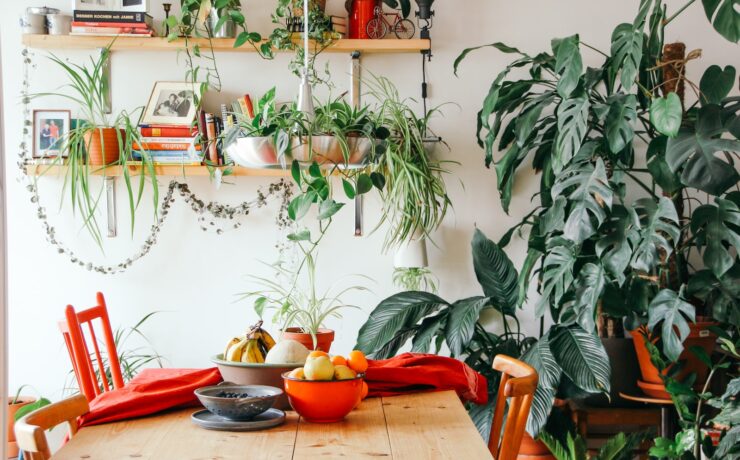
362,12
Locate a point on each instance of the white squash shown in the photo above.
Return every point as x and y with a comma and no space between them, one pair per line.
287,352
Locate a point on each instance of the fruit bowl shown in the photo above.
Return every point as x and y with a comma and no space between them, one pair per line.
255,374
238,402
323,401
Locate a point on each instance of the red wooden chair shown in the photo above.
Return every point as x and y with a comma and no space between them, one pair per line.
518,382
91,385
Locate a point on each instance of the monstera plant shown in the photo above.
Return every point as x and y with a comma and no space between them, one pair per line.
622,161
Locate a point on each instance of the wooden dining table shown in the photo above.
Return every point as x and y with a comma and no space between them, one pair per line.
432,425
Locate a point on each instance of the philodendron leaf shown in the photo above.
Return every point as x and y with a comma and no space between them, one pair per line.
464,314
589,286
666,114
722,294
541,359
328,208
716,84
393,316
715,228
557,273
495,273
619,121
582,357
724,17
572,115
658,166
616,243
655,221
669,308
626,53
568,63
300,205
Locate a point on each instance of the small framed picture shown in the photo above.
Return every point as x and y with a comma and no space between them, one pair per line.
96,5
50,127
140,6
171,103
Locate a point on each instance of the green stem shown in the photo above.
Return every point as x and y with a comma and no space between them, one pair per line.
594,49
680,10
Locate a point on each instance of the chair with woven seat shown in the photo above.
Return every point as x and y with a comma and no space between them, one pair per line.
30,430
518,383
92,381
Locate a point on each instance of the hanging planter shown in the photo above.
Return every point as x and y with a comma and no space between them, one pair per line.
325,149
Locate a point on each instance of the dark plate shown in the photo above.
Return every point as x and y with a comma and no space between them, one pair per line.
210,421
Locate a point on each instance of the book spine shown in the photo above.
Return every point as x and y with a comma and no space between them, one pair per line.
132,25
249,106
110,16
168,132
168,140
110,30
97,34
211,131
153,146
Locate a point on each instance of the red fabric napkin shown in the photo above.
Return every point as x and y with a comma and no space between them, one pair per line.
151,391
416,372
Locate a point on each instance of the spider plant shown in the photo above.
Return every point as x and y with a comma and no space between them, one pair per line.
87,87
415,279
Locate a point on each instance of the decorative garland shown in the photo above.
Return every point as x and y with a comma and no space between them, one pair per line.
282,189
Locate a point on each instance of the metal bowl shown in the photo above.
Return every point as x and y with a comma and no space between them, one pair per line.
258,399
328,150
255,374
253,152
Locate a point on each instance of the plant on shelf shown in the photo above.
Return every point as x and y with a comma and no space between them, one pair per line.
99,141
18,406
600,257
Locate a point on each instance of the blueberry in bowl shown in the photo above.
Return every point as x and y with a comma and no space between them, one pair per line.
238,402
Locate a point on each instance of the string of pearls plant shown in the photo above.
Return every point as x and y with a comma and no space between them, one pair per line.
210,214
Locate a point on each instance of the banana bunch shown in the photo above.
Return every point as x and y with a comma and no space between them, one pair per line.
251,347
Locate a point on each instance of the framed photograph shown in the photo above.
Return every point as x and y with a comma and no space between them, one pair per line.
171,103
96,5
140,6
50,127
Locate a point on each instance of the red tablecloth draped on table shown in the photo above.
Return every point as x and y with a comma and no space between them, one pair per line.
151,391
416,372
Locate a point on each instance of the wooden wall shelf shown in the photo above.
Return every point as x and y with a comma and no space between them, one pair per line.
161,170
219,44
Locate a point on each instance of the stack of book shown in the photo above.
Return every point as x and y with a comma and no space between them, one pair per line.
339,25
112,23
169,144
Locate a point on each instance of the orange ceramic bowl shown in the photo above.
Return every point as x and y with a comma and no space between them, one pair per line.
323,401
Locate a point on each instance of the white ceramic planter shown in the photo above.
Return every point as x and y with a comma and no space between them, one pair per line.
412,253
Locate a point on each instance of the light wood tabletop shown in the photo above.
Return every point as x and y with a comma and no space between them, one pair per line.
416,426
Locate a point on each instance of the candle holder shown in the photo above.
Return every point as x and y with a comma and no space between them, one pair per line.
167,7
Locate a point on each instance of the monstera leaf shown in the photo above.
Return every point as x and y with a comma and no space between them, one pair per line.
589,195
589,286
724,17
619,120
572,117
463,316
722,294
671,310
655,221
394,317
582,357
557,273
694,153
496,273
658,167
626,48
568,63
616,243
541,359
716,229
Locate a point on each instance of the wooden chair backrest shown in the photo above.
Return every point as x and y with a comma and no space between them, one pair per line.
30,430
518,383
78,347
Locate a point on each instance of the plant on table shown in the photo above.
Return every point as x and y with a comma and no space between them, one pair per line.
99,141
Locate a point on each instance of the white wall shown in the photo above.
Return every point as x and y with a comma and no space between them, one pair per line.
193,275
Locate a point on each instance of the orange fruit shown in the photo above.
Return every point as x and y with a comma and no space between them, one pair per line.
338,360
317,353
356,361
365,390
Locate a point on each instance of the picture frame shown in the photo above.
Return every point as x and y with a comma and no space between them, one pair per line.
139,6
171,103
50,127
96,5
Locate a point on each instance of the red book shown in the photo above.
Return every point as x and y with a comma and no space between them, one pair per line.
166,146
116,25
250,107
211,131
168,131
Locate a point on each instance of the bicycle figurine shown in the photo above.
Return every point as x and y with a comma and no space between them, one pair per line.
379,26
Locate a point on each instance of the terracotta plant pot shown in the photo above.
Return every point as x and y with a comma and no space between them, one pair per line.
12,409
324,338
531,449
102,149
699,336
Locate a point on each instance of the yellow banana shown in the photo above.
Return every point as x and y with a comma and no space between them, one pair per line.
267,340
231,343
252,353
236,351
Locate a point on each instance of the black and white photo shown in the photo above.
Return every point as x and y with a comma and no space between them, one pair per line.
171,103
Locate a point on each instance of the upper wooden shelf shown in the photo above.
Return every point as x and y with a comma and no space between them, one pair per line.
219,44
161,170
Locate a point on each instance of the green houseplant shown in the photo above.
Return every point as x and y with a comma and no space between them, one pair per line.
99,141
595,253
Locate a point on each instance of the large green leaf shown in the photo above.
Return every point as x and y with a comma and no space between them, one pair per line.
428,329
693,153
589,286
626,53
666,114
503,47
572,117
464,314
582,357
529,116
525,276
557,273
658,166
614,247
393,315
724,17
619,121
495,273
655,221
541,359
588,193
669,308
722,294
568,63
482,417
716,229
716,84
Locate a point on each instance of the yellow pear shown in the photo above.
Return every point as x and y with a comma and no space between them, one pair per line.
319,368
297,374
342,372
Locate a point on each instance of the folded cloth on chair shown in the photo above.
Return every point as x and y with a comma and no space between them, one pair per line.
416,372
151,391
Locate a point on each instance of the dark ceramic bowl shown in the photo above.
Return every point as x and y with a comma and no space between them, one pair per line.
238,402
